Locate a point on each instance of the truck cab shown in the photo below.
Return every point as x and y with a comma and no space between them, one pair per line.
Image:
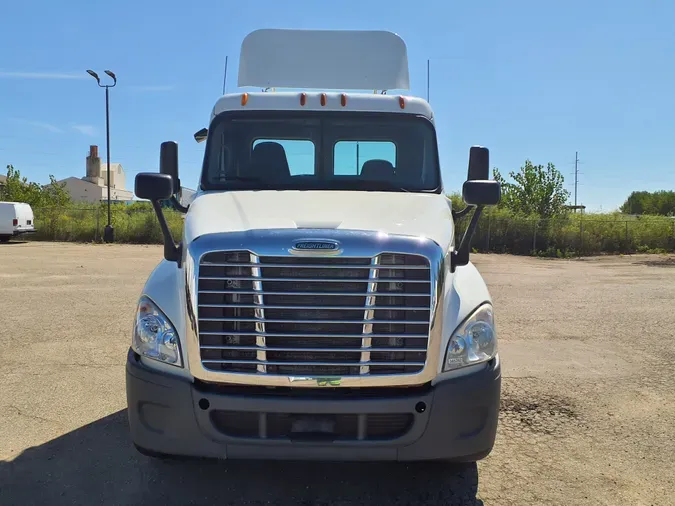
317,305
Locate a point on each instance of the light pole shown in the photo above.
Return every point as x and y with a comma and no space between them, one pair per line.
108,232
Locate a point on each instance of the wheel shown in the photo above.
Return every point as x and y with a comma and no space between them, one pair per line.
5,238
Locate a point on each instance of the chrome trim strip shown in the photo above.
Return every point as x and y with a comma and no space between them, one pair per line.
369,316
316,280
301,294
313,350
330,336
259,313
356,244
322,266
327,308
306,363
258,319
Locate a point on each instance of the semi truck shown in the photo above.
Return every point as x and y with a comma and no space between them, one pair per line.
317,304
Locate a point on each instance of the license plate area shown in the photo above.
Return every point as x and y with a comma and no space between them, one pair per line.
313,428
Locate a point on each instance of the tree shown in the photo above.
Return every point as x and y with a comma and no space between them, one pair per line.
19,189
536,190
659,202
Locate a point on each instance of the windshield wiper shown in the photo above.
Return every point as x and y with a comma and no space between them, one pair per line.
383,184
248,179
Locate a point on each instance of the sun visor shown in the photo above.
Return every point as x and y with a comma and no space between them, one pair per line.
324,59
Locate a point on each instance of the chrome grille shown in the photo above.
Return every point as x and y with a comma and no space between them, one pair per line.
315,316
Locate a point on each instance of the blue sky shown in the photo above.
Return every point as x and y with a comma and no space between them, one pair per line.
526,78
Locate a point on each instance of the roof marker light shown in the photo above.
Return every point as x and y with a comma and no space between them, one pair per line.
343,99
323,99
401,102
303,98
244,99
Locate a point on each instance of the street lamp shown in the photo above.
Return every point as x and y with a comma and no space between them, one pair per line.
108,232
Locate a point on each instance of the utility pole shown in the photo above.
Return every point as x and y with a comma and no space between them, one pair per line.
576,177
108,231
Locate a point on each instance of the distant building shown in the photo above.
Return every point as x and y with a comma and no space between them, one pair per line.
93,187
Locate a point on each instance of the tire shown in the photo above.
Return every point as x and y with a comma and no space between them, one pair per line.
5,238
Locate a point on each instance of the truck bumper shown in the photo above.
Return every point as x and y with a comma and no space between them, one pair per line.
455,420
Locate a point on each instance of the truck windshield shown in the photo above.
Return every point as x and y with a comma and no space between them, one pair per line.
321,151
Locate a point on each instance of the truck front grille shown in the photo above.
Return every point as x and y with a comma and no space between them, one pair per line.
313,316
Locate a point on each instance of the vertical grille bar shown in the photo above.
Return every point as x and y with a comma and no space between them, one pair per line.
369,315
259,312
362,429
262,425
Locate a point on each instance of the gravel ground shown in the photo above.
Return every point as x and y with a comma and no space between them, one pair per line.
588,409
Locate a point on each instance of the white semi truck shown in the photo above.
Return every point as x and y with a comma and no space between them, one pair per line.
317,305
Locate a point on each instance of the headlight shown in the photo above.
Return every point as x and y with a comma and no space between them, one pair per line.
154,336
473,342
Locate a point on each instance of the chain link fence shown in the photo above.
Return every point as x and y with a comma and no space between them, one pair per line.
568,236
572,235
138,226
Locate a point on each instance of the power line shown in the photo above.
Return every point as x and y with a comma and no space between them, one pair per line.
576,175
576,178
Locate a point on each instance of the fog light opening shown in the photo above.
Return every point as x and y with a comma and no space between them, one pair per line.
420,407
204,404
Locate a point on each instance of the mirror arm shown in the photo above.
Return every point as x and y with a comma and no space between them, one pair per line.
460,214
177,205
460,256
172,252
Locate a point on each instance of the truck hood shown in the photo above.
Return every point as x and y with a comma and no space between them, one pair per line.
413,214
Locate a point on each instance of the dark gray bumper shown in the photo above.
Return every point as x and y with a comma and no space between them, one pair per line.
173,416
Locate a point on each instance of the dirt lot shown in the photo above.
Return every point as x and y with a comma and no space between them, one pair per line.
588,410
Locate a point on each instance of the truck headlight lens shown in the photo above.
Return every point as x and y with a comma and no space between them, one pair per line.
474,341
154,335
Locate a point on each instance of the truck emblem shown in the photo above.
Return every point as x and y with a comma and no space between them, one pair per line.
316,246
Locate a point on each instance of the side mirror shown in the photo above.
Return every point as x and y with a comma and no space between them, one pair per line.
479,164
168,162
157,187
478,191
482,193
153,187
201,135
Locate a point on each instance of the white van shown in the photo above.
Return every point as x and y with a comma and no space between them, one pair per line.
16,218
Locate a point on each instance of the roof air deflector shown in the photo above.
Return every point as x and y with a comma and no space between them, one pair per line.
324,59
